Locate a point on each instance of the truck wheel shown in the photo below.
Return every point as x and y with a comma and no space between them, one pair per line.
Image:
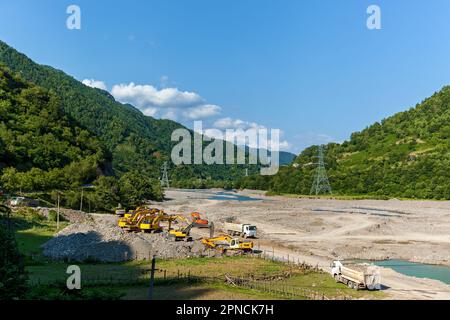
350,284
356,287
336,278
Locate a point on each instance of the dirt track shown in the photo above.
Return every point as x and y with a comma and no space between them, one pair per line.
317,231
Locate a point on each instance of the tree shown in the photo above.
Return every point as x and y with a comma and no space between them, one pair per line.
135,189
12,273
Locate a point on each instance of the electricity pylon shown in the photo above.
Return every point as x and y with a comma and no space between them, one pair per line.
321,183
165,176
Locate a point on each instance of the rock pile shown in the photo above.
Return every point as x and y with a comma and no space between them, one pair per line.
101,240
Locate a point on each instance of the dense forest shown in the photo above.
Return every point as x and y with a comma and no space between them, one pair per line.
406,155
44,149
40,147
136,142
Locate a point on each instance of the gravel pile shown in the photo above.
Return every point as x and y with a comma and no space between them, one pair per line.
101,240
73,216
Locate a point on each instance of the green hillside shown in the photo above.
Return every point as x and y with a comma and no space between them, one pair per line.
40,147
43,149
135,141
406,155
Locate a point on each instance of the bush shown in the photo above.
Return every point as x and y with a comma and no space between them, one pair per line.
12,273
53,216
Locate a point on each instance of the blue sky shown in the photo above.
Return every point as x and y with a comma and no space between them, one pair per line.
309,68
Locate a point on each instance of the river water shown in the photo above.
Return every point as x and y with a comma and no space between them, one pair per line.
419,270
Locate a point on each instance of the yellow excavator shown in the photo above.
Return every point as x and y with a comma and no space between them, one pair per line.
145,220
128,217
182,233
225,242
152,224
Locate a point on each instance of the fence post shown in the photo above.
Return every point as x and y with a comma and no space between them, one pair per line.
152,279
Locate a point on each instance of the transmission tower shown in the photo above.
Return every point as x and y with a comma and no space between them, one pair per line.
165,176
321,183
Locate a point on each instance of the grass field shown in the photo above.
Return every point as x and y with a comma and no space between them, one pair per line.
173,279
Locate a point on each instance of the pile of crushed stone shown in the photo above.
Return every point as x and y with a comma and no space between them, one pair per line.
101,240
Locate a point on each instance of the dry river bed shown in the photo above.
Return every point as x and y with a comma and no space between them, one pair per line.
320,230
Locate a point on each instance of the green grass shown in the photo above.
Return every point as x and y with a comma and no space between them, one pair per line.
32,231
324,283
207,291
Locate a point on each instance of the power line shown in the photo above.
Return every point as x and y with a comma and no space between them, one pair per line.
165,176
321,183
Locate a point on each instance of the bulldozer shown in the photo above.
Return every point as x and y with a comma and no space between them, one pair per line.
225,243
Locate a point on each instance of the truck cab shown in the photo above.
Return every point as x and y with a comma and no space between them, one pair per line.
336,268
249,231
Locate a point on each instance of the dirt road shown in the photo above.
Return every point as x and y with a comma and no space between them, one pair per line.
318,230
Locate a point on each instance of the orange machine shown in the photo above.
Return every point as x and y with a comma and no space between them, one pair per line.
198,221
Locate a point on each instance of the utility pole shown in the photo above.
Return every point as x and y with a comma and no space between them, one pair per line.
81,201
165,176
321,183
246,172
57,216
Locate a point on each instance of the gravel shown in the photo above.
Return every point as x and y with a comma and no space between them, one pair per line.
99,239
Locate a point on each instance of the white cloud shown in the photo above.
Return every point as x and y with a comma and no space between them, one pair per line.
95,84
240,127
202,112
171,103
147,95
229,123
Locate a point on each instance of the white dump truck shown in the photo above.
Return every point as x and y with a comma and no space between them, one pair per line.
357,276
238,229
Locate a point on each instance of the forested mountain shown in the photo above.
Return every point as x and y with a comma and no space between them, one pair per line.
406,155
136,142
40,147
44,149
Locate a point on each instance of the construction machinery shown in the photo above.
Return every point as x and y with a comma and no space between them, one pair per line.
357,276
152,224
240,230
120,211
182,233
198,221
225,243
145,220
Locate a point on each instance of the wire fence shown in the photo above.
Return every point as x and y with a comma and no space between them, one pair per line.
273,284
